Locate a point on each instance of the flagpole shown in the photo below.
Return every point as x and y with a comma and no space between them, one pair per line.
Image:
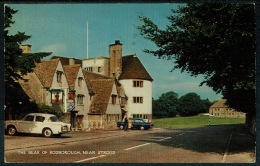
87,40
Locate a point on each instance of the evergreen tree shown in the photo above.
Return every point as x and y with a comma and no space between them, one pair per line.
17,64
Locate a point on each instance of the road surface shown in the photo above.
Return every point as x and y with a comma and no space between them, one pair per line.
210,144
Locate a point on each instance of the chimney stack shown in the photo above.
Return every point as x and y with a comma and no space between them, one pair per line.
26,48
115,54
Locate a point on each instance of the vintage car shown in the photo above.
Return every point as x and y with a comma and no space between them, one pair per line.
38,123
136,123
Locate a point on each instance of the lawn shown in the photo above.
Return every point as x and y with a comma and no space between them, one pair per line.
195,121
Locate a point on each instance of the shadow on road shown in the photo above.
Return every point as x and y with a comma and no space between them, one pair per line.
209,139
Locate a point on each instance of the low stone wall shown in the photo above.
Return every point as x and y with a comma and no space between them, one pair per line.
65,117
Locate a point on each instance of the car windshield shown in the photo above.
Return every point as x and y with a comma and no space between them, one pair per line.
54,119
28,118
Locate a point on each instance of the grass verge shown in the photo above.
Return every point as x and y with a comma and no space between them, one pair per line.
195,121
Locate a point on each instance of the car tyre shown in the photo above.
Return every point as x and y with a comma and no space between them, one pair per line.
142,128
47,132
121,127
11,130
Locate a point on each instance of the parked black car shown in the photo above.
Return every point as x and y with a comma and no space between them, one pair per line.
137,123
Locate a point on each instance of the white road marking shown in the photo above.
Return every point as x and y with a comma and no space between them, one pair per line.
137,146
165,138
92,158
226,152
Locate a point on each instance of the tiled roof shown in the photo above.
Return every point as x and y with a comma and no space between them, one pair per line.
28,90
45,71
132,68
71,72
89,76
66,61
220,104
103,89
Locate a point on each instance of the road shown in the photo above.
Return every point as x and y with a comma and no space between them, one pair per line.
199,145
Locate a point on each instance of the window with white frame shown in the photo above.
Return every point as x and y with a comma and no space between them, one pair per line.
80,80
99,69
138,83
59,76
113,99
137,99
89,69
80,99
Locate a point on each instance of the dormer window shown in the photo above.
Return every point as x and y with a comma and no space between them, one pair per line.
80,80
59,76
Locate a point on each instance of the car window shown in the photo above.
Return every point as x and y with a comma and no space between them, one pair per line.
40,118
54,119
138,120
28,118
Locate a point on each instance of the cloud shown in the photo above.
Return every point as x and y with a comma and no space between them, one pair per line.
173,78
58,48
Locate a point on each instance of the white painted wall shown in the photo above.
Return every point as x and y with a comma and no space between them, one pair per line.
83,90
145,92
113,108
62,86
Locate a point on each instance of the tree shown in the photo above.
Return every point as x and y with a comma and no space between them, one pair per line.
166,105
215,40
17,64
206,104
190,104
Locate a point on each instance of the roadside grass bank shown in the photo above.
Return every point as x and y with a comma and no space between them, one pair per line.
195,121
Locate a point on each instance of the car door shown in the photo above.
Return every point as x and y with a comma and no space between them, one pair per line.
39,124
138,123
27,124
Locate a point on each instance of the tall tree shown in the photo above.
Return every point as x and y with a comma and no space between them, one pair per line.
166,105
17,64
190,104
215,40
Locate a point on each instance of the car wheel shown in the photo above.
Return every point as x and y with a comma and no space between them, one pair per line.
11,130
121,127
142,128
47,132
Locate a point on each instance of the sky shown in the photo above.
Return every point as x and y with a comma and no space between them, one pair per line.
62,29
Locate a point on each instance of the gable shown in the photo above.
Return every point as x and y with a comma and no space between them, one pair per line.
71,72
220,104
45,71
103,91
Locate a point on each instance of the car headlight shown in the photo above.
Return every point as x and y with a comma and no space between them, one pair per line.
64,127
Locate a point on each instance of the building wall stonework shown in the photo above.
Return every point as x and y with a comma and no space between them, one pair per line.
65,117
104,122
226,112
99,65
115,54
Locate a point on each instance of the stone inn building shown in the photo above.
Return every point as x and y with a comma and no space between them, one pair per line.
100,90
220,109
